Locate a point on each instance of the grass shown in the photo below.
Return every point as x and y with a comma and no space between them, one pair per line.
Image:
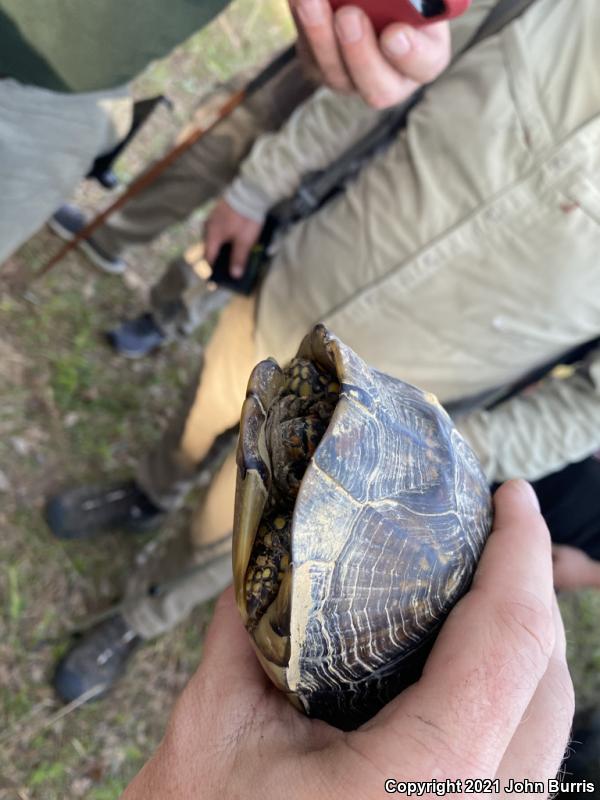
70,411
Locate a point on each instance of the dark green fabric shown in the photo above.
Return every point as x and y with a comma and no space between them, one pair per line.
87,45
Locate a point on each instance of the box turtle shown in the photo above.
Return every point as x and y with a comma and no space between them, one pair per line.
360,516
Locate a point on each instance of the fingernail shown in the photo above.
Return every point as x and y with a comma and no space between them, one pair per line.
529,492
311,12
397,43
236,271
349,25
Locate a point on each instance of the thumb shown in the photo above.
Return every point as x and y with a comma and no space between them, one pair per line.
419,54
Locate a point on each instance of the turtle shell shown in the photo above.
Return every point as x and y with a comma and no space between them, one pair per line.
388,525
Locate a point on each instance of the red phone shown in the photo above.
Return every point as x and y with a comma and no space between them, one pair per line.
414,12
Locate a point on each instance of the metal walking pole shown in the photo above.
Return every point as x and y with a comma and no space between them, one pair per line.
148,177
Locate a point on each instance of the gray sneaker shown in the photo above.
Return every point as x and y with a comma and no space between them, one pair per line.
67,222
96,661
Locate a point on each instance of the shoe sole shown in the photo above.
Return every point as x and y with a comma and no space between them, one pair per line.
132,355
109,267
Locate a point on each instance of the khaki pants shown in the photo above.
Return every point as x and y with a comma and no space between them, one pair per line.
48,142
200,175
460,259
167,474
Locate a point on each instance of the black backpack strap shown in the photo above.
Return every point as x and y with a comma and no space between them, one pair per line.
503,13
571,357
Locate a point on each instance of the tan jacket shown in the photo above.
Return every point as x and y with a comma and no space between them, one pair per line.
466,254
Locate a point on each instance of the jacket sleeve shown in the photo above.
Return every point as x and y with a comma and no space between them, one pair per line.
318,132
541,430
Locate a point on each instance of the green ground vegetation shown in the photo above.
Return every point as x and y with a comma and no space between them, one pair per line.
71,411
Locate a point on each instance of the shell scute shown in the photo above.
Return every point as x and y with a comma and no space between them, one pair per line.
390,519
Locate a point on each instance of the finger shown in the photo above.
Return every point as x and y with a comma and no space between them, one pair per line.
539,744
491,654
228,685
307,59
315,19
420,54
240,255
228,657
557,550
379,83
213,241
222,697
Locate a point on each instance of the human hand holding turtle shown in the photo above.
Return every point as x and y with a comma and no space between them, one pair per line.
495,698
349,57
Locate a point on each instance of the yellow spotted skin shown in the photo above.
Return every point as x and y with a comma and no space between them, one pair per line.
296,422
307,380
269,562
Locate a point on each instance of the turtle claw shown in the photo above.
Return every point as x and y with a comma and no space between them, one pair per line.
272,635
251,498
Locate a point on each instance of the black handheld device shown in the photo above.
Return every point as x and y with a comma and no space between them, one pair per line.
256,264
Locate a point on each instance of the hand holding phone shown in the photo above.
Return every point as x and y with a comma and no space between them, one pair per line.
256,263
382,62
